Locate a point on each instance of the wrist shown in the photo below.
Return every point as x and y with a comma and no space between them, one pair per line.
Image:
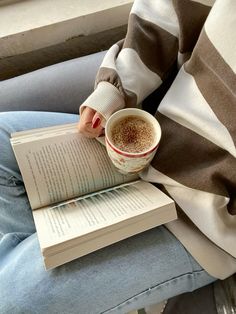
105,99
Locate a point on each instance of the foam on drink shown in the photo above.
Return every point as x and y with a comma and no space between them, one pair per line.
132,134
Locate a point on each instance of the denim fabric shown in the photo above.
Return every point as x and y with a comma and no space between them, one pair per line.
130,274
61,87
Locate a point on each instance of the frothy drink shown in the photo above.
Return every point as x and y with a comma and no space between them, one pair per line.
132,134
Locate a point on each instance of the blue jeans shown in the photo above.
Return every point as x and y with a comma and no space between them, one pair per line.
142,270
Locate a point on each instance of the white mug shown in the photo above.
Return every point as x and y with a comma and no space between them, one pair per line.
126,162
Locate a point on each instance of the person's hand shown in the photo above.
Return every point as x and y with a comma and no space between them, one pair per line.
90,123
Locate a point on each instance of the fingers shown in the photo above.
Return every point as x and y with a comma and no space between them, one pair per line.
96,121
90,123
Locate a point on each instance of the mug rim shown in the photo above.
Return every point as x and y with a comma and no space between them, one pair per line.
132,112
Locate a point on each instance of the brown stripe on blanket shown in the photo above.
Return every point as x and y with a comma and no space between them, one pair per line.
191,16
155,46
192,160
111,76
216,81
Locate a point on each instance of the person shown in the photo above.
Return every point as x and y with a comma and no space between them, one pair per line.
195,164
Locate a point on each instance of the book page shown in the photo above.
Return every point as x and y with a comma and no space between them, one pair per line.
88,217
61,164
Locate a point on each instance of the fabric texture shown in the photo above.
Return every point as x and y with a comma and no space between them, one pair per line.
195,163
152,266
60,87
130,274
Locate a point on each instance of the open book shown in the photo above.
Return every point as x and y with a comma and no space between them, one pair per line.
80,202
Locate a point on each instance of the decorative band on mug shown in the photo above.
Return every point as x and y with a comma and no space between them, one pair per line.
136,155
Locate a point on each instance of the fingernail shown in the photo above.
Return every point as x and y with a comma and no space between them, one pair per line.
96,123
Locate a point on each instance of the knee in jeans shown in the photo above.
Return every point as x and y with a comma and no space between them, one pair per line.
5,124
5,131
7,158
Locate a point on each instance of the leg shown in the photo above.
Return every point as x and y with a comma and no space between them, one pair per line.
133,273
15,213
61,87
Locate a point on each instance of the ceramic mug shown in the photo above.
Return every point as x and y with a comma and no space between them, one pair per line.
131,162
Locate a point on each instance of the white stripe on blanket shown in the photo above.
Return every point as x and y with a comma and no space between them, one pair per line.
185,104
220,30
197,204
160,12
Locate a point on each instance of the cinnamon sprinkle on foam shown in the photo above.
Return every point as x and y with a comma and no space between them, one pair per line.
132,134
